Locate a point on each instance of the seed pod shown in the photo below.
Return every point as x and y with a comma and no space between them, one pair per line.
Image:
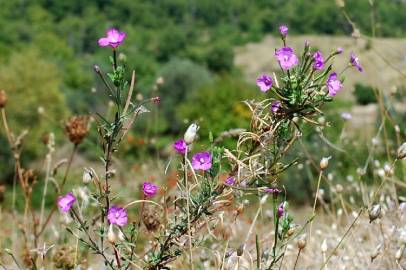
402,151
374,212
291,231
324,246
3,99
399,253
339,188
240,250
151,218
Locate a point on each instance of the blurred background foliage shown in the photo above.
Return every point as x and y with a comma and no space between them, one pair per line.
48,47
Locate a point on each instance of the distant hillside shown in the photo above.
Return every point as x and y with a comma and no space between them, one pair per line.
255,58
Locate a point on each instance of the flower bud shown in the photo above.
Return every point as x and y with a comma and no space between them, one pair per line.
160,80
402,151
375,253
301,243
3,99
111,236
399,253
324,162
374,212
388,170
240,250
324,246
339,188
87,176
291,231
190,133
96,68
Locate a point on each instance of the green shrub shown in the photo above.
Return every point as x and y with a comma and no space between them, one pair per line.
364,94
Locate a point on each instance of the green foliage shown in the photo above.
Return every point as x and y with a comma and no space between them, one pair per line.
31,82
218,105
182,79
364,94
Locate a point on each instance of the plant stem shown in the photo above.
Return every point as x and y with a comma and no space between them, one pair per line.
315,202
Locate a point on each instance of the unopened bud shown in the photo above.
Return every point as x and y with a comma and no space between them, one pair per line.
190,133
3,99
96,68
240,250
324,162
399,253
87,176
375,253
388,170
374,212
402,151
160,81
301,243
111,236
339,188
291,231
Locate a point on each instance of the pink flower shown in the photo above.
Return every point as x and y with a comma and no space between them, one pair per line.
65,202
230,181
354,61
113,38
149,189
334,85
180,146
201,161
117,216
281,209
273,190
275,106
318,61
283,29
264,82
286,57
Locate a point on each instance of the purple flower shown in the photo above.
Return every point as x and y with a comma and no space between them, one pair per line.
339,50
283,29
180,146
281,209
117,216
275,106
264,82
113,38
334,85
65,202
318,61
149,189
354,61
230,181
286,57
201,161
346,116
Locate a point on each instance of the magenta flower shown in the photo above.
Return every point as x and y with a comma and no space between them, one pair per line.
318,61
264,82
201,161
286,57
354,61
281,209
283,29
65,202
230,181
113,38
117,216
272,190
339,50
275,106
334,85
180,146
149,189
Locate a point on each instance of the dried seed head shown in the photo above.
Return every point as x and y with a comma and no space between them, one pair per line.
3,98
402,151
64,257
374,212
77,128
151,218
